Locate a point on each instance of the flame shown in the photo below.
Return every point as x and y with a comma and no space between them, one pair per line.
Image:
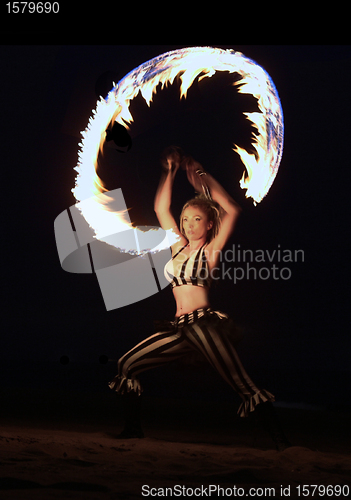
188,63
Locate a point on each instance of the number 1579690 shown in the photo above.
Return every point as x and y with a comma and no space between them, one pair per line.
33,7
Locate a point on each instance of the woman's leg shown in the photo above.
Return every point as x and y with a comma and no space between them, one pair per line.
157,350
223,357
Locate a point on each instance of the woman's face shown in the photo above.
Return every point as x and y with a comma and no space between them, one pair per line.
195,223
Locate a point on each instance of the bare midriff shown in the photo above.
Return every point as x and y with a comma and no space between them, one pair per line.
189,298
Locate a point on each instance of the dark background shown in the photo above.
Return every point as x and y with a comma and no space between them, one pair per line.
296,332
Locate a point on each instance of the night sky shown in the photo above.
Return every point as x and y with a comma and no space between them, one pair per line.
296,331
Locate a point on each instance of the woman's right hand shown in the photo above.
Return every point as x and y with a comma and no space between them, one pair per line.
172,159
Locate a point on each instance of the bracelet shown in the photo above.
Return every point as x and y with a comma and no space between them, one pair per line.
200,172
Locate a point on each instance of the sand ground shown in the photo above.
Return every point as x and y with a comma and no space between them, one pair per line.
64,446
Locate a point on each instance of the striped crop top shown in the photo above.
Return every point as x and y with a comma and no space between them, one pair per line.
186,270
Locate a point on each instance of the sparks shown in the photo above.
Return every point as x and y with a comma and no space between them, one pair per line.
260,168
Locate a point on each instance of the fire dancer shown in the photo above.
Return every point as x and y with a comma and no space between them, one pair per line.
206,223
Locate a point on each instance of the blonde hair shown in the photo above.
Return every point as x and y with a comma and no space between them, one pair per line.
210,208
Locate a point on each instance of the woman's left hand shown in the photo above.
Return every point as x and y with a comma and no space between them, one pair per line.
193,169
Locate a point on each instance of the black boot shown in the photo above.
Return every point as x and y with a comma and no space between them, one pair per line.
269,419
132,408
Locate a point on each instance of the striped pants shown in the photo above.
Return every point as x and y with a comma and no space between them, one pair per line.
204,331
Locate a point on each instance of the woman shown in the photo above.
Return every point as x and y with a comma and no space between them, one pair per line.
206,224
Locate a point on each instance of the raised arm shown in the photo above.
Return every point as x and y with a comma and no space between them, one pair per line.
163,198
199,178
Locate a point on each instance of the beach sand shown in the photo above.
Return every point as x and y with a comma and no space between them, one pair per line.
64,446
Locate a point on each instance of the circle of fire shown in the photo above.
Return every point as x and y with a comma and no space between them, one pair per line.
260,168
